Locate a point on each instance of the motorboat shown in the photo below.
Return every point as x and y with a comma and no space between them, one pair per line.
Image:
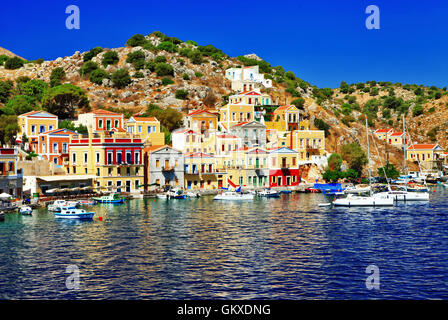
232,195
402,193
269,193
74,213
374,200
193,194
56,205
172,194
111,198
25,210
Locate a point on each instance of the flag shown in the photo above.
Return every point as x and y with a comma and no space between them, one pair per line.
231,183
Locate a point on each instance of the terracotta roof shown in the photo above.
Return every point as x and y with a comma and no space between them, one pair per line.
58,130
240,124
199,111
37,111
423,146
149,119
397,134
105,112
382,130
155,148
227,136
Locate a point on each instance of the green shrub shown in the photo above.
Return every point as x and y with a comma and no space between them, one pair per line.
191,42
3,58
121,78
56,77
14,63
110,58
167,81
98,75
88,67
160,59
198,75
417,110
167,46
164,69
196,57
181,94
136,40
92,53
139,75
185,76
135,56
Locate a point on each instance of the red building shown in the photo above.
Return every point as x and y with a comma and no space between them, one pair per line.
284,169
53,145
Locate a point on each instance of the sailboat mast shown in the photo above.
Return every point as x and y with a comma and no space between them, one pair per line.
368,155
404,149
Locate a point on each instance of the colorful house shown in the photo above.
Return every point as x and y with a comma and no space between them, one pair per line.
53,145
31,124
430,156
251,97
164,166
201,120
247,78
383,134
397,139
201,171
310,144
252,133
286,118
101,120
11,178
115,160
232,114
284,169
148,128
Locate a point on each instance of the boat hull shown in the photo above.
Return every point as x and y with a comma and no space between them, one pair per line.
82,216
409,196
234,198
364,202
109,201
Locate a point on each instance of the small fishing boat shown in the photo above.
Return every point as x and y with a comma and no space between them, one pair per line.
56,205
25,210
232,195
2,216
193,194
172,194
111,198
74,213
285,191
360,188
269,193
87,202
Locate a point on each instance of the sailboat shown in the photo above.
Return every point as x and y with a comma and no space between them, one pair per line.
404,192
370,199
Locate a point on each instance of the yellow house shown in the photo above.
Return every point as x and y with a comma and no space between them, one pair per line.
383,134
397,139
201,120
286,118
148,128
232,114
429,156
115,160
201,171
309,144
32,124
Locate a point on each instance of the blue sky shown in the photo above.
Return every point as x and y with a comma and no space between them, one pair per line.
321,41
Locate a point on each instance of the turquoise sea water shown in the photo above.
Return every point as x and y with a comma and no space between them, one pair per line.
285,248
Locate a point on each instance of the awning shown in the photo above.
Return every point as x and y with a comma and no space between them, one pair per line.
72,177
5,195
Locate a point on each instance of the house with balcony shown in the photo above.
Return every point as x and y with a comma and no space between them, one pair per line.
287,118
11,178
201,171
247,78
53,145
200,121
232,114
310,145
284,167
429,156
148,128
164,166
252,133
253,97
256,167
115,160
33,123
101,120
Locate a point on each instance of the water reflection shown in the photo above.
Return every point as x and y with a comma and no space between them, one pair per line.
286,248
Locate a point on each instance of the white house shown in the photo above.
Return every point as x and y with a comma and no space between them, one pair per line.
247,78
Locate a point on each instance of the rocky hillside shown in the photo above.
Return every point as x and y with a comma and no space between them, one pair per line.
169,72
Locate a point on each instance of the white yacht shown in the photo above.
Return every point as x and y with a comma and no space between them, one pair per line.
232,195
370,199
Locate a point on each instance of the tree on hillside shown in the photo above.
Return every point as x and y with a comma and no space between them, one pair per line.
136,40
56,77
334,162
67,124
18,105
92,53
5,90
14,63
121,78
391,171
169,118
34,89
110,58
64,99
355,156
8,128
